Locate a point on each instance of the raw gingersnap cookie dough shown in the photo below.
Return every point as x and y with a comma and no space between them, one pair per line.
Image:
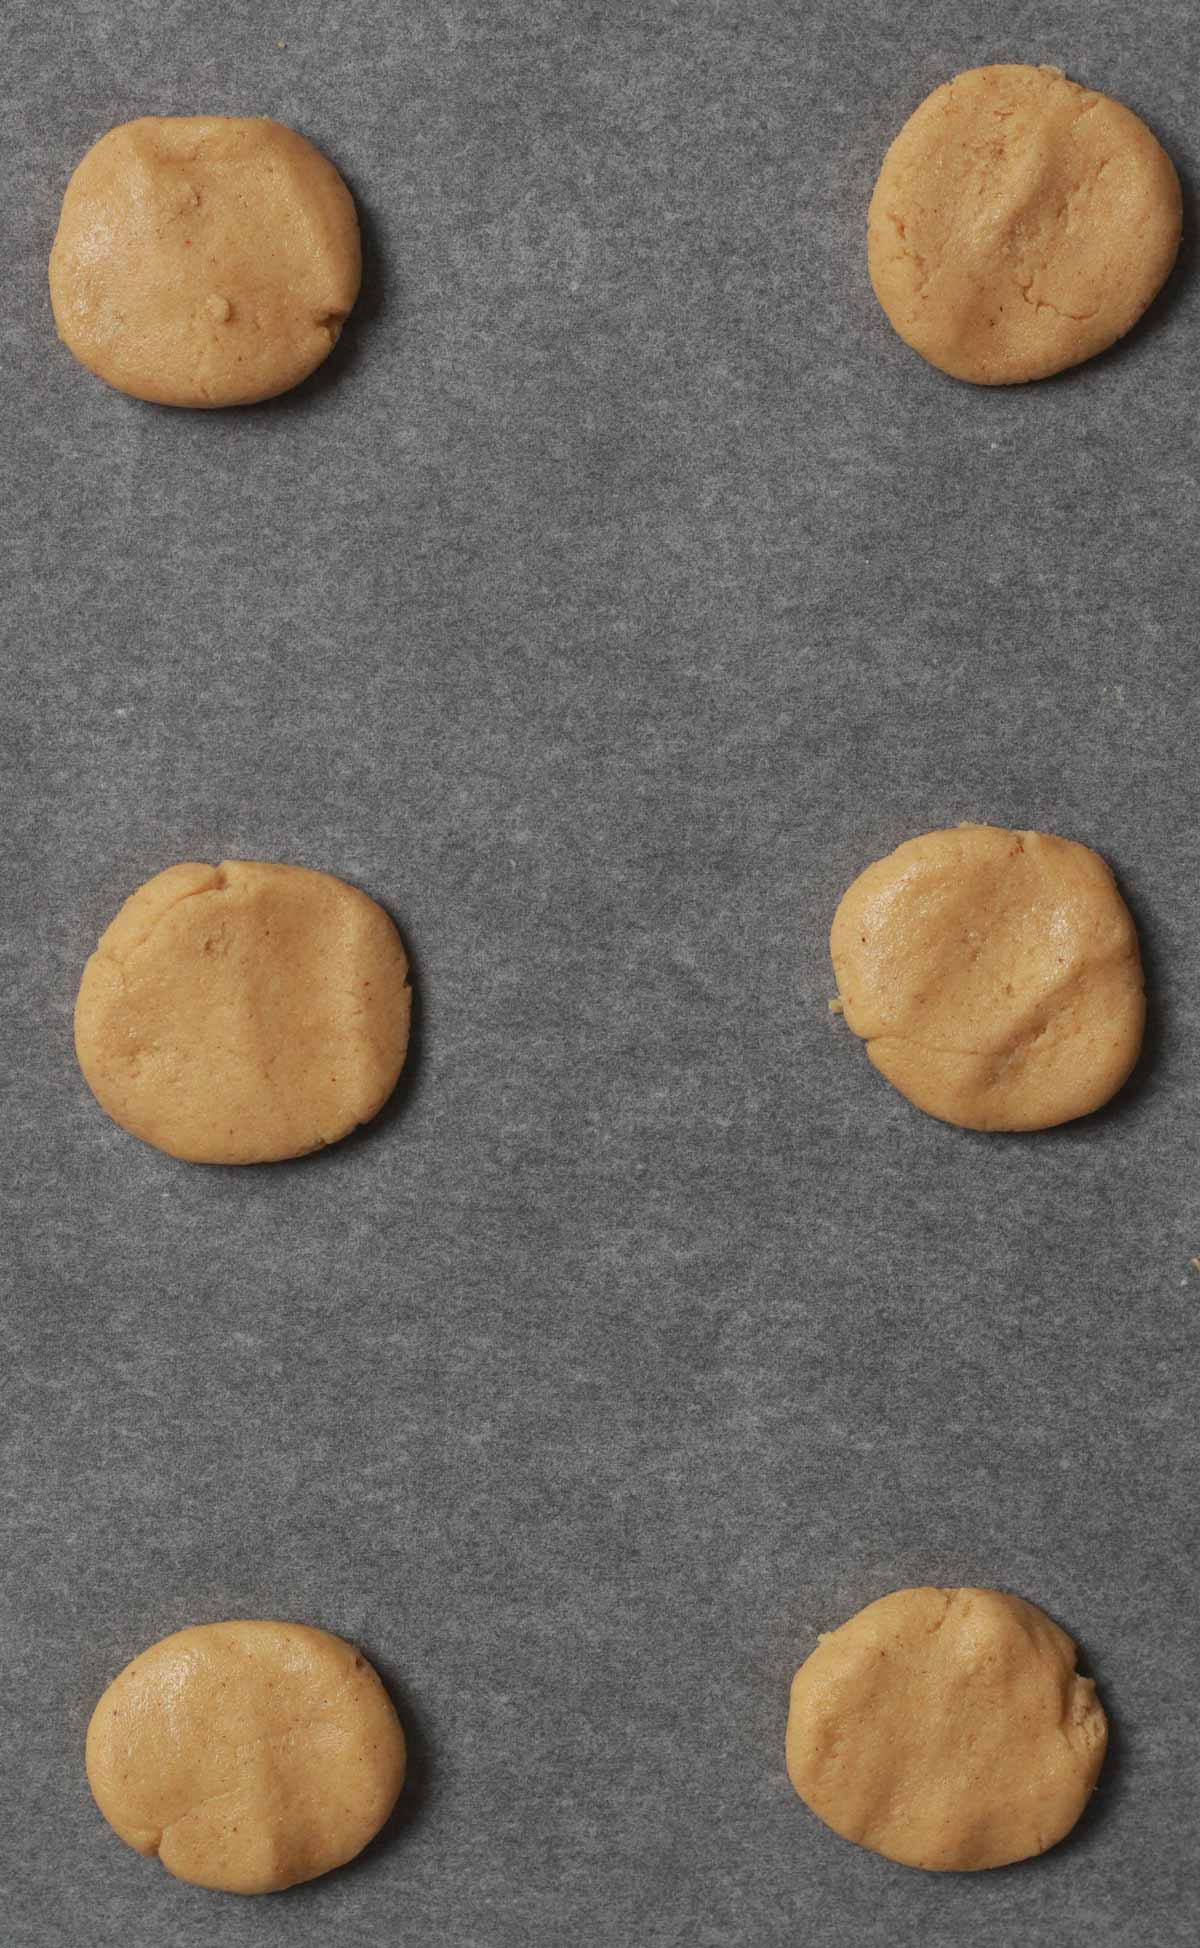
1020,224
204,260
244,1013
994,975
946,1729
247,1756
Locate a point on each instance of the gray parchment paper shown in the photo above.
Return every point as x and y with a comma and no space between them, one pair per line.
621,588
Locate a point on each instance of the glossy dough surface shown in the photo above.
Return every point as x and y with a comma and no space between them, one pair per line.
247,1756
946,1729
994,975
244,1013
1020,224
204,260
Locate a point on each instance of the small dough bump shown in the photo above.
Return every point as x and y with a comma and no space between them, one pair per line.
204,260
248,1756
994,975
1020,224
244,1013
946,1729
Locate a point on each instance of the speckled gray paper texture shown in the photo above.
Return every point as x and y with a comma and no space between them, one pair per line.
620,588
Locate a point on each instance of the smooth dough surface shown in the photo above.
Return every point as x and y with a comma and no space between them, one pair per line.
994,975
247,1756
946,1729
1020,224
244,1013
204,260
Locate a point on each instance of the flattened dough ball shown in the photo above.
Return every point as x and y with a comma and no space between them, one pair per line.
946,1729
244,1013
994,975
1020,225
247,1756
204,260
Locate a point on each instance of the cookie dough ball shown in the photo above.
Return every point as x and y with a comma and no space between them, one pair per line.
204,260
1020,224
994,976
244,1013
247,1756
946,1729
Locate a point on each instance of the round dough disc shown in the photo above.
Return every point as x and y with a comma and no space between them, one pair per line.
994,975
1020,224
244,1013
247,1756
204,260
946,1729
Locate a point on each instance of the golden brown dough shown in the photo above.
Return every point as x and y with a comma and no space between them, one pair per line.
1020,224
248,1756
244,1013
204,260
994,975
946,1729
